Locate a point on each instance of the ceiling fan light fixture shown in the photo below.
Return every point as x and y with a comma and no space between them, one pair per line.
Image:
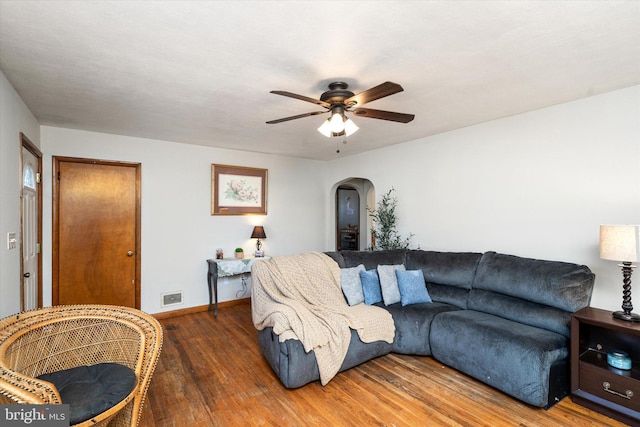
325,128
350,127
337,122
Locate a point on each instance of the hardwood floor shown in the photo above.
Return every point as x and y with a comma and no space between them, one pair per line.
211,373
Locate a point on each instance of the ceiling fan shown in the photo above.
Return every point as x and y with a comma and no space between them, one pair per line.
338,100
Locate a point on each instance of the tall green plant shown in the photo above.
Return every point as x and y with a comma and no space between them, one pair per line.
385,221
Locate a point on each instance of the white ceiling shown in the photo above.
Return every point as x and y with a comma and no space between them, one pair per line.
200,72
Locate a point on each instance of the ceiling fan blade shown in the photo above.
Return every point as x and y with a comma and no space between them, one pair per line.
384,115
380,91
299,116
301,97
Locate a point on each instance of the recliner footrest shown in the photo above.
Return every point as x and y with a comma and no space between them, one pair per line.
507,355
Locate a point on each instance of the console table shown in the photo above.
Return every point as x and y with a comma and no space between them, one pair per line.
224,268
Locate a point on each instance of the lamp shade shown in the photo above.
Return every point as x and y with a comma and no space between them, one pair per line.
336,123
620,242
258,232
350,128
325,128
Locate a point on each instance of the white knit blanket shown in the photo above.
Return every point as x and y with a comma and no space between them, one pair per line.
300,297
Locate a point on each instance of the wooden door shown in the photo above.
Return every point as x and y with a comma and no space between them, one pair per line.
96,220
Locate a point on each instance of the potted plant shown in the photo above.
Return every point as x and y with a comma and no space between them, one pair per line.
239,253
384,234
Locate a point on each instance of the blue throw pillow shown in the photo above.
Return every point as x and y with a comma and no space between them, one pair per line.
413,289
371,286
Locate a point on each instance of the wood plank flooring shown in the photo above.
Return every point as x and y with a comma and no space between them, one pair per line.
211,373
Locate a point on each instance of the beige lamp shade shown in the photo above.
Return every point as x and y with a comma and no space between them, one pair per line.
620,242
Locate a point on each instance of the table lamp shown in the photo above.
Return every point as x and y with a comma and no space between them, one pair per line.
622,243
258,233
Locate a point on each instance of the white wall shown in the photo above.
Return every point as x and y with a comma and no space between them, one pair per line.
178,232
15,117
537,184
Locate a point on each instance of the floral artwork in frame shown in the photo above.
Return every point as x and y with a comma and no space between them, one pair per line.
238,190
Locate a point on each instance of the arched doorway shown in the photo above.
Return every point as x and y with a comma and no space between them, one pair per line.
351,221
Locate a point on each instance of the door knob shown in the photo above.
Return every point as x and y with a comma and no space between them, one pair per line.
130,253
27,275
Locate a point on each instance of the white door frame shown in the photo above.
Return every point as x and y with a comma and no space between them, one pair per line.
26,144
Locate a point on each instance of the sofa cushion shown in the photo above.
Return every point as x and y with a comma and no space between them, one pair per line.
412,326
412,288
295,367
507,355
351,284
372,259
337,257
449,275
518,310
448,294
445,268
389,283
558,284
371,286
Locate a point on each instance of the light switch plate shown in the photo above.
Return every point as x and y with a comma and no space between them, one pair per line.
12,241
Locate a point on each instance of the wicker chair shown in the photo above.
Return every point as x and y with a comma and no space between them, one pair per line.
56,338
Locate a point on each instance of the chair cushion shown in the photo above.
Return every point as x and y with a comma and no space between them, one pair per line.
91,390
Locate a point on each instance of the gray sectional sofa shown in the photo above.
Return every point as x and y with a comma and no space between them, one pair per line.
502,319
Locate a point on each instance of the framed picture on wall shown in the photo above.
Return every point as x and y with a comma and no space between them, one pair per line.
238,190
